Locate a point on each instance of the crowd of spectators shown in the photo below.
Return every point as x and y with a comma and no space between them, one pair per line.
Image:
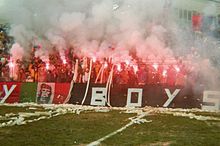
62,69
5,44
58,70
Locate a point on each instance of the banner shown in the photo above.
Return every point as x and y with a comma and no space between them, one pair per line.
119,95
61,92
9,92
78,93
28,92
139,96
45,93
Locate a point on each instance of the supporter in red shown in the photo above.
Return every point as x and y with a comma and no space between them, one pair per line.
124,77
132,77
21,75
196,22
142,75
42,73
171,76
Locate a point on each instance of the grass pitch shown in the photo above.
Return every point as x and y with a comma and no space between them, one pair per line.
81,128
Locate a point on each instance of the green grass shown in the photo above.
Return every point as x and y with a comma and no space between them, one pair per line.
69,129
89,126
15,110
214,114
11,109
171,130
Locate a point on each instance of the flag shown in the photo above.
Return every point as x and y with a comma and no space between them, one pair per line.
9,92
45,93
61,92
28,92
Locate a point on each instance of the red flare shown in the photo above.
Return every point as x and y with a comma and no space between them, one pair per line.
105,65
164,73
155,66
64,61
177,69
119,67
47,66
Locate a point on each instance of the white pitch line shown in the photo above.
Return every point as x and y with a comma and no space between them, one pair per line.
136,120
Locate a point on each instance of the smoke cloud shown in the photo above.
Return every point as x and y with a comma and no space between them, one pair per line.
106,28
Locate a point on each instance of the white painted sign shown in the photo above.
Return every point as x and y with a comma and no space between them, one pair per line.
99,96
170,96
212,98
7,92
129,96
